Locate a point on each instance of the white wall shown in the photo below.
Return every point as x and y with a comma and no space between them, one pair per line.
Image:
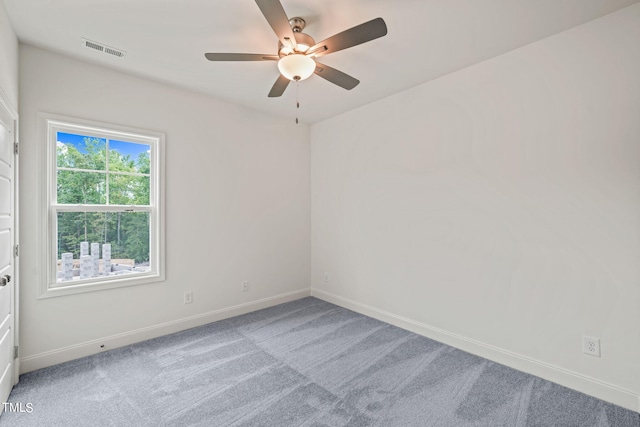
8,59
498,208
237,208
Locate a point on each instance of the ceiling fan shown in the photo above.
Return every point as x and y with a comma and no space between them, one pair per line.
297,51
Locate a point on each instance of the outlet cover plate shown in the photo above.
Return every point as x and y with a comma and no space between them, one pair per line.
591,346
188,297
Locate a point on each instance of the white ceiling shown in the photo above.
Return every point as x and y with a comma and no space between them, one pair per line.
166,40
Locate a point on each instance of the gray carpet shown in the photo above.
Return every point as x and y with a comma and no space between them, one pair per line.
304,363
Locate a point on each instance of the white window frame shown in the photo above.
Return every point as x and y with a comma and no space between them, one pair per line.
49,125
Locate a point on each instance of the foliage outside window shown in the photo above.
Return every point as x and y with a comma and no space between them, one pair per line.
104,215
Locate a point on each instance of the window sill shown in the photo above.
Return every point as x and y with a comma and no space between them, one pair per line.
84,287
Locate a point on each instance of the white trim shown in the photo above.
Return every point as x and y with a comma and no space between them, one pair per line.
4,98
64,354
47,123
582,383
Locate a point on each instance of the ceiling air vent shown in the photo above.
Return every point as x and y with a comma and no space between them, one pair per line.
103,48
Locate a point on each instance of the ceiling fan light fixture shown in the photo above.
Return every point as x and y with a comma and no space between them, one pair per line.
296,66
284,51
302,47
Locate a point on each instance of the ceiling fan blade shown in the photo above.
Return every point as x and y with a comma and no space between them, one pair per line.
239,57
336,77
279,86
277,18
352,37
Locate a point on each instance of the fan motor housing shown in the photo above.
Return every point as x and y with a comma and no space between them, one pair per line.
302,39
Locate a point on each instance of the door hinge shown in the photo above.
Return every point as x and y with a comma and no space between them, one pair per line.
15,352
16,251
15,148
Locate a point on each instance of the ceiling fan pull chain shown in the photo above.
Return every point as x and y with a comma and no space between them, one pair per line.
297,100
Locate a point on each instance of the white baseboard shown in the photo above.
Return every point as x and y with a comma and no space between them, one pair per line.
64,354
582,383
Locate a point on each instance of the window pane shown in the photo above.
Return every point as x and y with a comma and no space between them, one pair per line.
114,243
129,156
87,188
128,190
80,151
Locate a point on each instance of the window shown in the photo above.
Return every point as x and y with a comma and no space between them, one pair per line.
104,211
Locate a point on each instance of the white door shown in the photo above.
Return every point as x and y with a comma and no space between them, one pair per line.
7,245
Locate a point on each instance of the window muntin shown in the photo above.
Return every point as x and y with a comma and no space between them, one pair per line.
104,217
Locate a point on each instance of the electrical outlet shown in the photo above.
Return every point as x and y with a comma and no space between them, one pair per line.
326,277
188,297
591,346
244,287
